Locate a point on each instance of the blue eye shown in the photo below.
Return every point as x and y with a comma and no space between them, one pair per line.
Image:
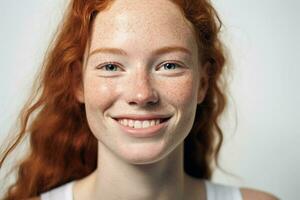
170,66
110,67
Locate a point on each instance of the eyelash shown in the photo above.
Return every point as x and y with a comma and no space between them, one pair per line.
116,64
106,64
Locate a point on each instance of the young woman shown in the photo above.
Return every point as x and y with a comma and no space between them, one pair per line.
128,106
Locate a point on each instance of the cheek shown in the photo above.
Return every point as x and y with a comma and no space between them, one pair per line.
99,93
180,91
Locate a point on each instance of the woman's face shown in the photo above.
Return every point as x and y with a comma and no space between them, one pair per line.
141,70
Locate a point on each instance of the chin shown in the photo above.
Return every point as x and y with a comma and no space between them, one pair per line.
143,153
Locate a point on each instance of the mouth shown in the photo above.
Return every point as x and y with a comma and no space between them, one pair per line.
140,124
142,127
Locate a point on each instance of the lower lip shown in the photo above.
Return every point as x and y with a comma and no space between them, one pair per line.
143,132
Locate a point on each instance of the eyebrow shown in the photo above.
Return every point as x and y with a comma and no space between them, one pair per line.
156,52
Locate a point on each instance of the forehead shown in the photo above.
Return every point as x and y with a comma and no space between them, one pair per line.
142,25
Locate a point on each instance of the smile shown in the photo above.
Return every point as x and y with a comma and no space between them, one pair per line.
140,123
142,127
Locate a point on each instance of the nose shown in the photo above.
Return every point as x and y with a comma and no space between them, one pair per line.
140,91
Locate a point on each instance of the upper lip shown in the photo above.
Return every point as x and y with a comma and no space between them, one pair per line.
142,117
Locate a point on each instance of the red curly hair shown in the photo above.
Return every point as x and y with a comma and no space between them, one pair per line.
62,147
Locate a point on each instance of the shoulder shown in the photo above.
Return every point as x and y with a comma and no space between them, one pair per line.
249,194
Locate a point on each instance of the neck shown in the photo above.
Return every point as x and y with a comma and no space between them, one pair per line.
116,179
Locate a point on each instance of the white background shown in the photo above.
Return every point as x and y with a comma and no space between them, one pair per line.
261,125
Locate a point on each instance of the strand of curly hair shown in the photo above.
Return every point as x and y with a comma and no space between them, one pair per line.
62,147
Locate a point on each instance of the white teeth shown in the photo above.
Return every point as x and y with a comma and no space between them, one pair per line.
157,122
130,123
152,123
146,124
139,124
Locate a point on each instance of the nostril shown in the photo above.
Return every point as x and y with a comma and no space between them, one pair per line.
142,96
153,102
139,102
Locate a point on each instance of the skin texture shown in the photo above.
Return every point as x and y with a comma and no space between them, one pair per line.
141,168
249,194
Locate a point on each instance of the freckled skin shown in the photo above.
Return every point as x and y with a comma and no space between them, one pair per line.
141,168
140,82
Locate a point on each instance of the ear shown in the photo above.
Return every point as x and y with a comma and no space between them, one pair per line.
203,82
79,94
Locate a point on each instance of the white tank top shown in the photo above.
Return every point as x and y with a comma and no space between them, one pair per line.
214,191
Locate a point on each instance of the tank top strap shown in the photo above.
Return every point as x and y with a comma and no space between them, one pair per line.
215,191
63,192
